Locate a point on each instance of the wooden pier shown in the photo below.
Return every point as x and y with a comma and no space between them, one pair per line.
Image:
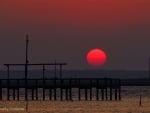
60,89
56,88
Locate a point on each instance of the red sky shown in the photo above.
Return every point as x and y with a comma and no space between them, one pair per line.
81,13
69,28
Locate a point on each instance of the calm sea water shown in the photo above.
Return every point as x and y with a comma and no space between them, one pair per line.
128,104
75,73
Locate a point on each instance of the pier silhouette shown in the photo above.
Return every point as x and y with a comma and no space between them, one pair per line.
54,88
58,88
61,88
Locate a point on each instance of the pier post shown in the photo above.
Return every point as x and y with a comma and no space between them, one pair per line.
105,88
97,89
110,93
61,89
70,89
90,89
79,90
18,94
43,93
43,82
79,94
32,90
8,76
1,93
119,90
86,94
61,94
14,94
106,95
50,94
8,98
66,93
26,91
110,89
36,93
90,93
36,90
55,94
70,93
18,90
116,97
119,93
102,91
97,94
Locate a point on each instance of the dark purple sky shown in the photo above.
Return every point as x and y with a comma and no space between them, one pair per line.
66,29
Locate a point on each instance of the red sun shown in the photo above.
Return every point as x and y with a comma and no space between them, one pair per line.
96,57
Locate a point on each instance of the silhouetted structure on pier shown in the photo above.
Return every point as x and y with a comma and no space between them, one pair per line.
56,87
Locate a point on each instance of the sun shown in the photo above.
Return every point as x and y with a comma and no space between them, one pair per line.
96,57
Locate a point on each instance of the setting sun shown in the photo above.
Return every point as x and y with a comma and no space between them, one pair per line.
96,57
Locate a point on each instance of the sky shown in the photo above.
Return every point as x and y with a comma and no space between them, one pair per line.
65,30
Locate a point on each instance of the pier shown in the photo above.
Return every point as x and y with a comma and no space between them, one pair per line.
60,89
56,88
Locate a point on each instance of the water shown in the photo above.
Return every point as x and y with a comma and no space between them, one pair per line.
77,74
128,104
